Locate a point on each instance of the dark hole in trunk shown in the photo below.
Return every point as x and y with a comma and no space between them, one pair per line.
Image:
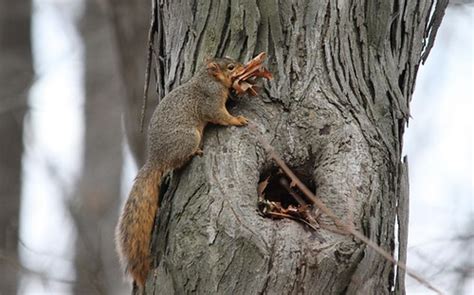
278,198
277,186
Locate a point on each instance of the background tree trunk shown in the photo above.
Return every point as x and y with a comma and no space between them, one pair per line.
131,24
336,110
97,200
16,73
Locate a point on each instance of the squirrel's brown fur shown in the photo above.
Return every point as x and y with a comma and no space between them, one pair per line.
174,137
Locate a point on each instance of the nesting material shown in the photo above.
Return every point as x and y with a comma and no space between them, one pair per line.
245,77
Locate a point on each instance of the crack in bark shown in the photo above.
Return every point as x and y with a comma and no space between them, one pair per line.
270,262
225,270
188,200
198,42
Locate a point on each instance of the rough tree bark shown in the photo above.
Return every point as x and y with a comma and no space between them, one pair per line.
336,110
16,74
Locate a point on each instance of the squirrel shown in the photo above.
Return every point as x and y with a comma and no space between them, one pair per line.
174,137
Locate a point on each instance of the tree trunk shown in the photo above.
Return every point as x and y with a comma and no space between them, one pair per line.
97,201
16,73
130,22
336,111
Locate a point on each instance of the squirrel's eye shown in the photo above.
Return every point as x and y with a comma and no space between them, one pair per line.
230,67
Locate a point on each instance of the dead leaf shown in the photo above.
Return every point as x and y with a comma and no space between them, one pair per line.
298,213
262,185
244,77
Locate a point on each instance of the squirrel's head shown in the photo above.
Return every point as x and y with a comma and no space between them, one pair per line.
222,69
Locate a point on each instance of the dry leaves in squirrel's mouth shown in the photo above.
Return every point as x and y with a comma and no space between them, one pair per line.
244,77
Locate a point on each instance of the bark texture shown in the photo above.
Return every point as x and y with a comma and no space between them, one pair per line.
16,74
336,111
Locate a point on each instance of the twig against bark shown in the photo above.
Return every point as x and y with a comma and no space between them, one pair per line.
151,40
339,223
307,216
295,196
282,215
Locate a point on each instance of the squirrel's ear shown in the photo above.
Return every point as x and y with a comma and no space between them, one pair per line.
212,67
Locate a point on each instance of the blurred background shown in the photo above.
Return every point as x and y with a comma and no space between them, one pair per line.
65,166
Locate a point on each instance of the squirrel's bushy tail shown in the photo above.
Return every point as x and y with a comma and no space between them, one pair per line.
135,225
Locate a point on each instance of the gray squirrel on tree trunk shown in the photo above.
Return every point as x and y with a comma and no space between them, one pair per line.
174,136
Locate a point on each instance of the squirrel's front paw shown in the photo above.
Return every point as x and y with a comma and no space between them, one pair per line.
198,152
242,121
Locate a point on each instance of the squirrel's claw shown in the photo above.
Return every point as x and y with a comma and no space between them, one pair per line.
242,121
199,153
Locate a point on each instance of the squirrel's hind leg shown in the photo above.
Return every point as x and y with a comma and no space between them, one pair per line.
185,146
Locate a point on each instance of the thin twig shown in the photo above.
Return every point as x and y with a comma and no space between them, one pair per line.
151,40
286,185
333,229
283,215
301,202
316,201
